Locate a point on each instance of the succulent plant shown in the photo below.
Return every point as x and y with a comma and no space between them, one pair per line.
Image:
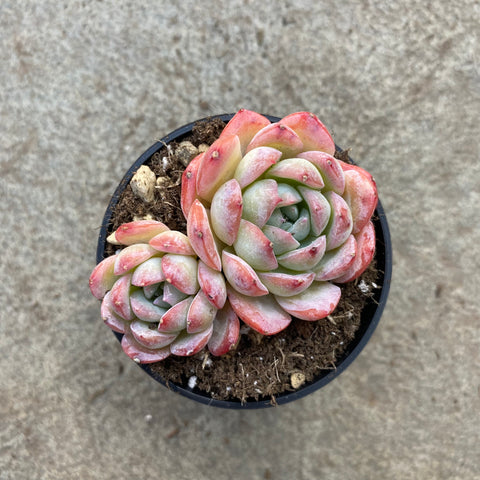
152,292
274,221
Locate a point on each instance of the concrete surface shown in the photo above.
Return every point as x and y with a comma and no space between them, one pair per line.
87,86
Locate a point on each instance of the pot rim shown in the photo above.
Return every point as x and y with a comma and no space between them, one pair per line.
383,240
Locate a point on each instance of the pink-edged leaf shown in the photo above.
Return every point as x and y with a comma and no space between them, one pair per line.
212,284
241,276
226,331
189,184
286,284
172,242
245,124
111,319
282,240
120,297
278,136
318,207
341,222
226,211
361,195
259,201
175,319
304,258
336,262
144,309
141,354
365,251
200,314
148,273
181,272
263,314
254,247
316,302
218,166
311,131
140,231
132,256
330,169
298,170
255,163
201,236
103,277
146,334
186,344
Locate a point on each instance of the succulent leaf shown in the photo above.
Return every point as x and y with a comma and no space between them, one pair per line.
186,345
301,228
278,136
361,195
144,309
255,163
319,209
146,334
200,314
212,284
201,236
226,331
171,295
340,225
111,319
254,247
288,194
120,297
286,284
172,242
140,231
335,263
282,241
304,258
311,131
314,303
297,170
181,272
226,211
140,353
218,166
329,168
365,250
189,184
245,124
263,314
132,256
259,201
175,319
241,276
148,273
103,277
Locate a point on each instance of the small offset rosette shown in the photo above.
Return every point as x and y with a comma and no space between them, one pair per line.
161,297
270,208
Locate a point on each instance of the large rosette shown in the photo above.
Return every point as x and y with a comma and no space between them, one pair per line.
270,207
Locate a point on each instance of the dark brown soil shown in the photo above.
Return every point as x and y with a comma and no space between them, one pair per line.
260,367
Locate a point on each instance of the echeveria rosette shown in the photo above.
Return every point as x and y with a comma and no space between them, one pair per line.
270,207
153,292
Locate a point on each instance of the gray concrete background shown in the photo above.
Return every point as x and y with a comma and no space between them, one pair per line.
87,86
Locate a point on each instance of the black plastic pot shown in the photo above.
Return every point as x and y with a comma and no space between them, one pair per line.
370,316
